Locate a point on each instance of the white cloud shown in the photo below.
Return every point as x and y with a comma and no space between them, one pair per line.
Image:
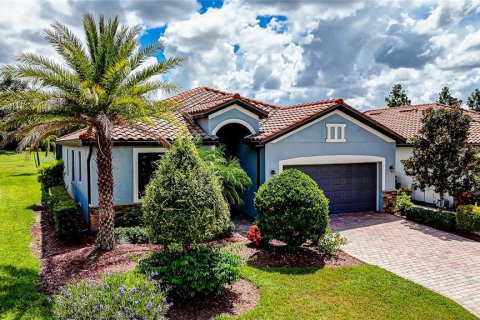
353,50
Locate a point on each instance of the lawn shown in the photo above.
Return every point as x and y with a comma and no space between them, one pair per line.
19,193
360,292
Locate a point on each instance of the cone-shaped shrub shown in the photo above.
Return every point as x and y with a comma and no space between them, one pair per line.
184,204
291,208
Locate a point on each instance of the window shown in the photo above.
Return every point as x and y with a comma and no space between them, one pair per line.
73,165
336,132
79,166
144,165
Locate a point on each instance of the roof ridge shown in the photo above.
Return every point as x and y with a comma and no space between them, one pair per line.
308,104
406,106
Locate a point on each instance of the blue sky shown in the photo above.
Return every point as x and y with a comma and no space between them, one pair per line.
287,52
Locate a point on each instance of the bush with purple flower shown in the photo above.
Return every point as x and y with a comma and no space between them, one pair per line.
118,296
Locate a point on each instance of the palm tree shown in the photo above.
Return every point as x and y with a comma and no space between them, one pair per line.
233,178
101,83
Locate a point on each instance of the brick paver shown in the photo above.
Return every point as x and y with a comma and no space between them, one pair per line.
441,261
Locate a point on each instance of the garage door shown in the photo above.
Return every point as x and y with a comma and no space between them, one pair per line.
350,187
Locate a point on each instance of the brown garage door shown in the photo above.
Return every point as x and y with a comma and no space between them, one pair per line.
350,187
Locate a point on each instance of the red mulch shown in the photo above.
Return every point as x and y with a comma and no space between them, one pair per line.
238,298
276,255
61,262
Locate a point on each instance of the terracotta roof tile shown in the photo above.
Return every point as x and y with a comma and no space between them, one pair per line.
202,99
162,129
284,118
406,120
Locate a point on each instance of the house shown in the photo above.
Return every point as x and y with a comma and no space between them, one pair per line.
406,121
350,155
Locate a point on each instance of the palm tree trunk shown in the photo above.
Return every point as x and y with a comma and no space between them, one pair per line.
106,234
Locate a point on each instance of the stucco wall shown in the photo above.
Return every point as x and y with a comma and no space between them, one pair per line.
78,189
232,113
310,142
429,195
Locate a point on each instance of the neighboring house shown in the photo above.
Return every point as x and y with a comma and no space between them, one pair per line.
407,121
350,155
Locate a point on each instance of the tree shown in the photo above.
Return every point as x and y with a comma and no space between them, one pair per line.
446,98
473,100
101,83
442,158
183,204
233,178
397,97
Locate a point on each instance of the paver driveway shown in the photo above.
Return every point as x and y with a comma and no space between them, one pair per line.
443,262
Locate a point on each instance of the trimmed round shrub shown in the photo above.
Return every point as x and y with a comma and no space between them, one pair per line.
201,271
291,208
404,202
119,296
184,204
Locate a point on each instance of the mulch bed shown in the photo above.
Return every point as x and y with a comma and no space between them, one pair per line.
238,298
61,262
276,255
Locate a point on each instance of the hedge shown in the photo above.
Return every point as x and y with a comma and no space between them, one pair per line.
468,218
443,220
66,220
131,234
50,174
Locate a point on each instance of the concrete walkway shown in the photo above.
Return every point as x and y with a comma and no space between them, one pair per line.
443,262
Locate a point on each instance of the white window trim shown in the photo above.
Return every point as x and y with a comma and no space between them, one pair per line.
239,121
340,159
339,130
341,114
233,107
136,151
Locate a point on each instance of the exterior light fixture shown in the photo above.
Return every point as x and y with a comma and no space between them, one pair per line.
392,169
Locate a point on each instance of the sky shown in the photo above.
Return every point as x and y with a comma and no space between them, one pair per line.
286,52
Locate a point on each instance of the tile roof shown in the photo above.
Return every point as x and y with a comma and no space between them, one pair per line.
406,120
162,129
284,118
275,119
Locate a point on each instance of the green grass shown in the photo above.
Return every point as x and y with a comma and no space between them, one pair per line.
19,194
361,292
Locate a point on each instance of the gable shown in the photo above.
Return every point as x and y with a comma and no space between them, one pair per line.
232,114
316,130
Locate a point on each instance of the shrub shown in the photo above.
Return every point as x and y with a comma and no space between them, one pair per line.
50,174
404,202
184,202
291,208
119,296
131,234
467,197
442,220
254,235
406,190
131,218
201,271
468,218
330,243
66,220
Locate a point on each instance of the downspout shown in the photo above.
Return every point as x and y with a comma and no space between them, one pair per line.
89,189
258,168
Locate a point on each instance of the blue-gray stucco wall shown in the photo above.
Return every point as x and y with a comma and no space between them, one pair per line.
77,188
209,124
310,142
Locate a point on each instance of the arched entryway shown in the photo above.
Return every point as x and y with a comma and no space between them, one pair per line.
232,136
